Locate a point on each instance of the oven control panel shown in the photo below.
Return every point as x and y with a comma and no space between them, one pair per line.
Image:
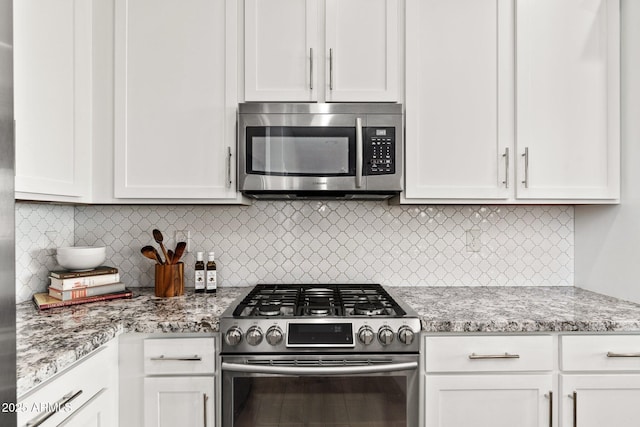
379,150
372,335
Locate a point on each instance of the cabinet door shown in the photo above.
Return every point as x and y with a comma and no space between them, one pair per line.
362,50
600,400
52,72
488,400
281,52
95,413
459,99
179,401
568,99
175,84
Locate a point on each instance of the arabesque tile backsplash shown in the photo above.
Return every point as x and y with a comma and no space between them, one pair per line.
313,241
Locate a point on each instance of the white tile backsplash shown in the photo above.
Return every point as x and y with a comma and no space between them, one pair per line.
312,241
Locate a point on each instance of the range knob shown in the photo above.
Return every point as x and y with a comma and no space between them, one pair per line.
254,335
406,335
274,335
233,336
385,335
366,335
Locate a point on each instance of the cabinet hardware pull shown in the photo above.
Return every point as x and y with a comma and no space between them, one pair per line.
228,167
359,152
506,167
526,167
330,69
550,396
574,396
59,404
474,356
310,68
611,354
204,399
194,358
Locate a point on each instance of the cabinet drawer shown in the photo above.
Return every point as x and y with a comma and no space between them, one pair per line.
489,354
600,353
92,377
168,356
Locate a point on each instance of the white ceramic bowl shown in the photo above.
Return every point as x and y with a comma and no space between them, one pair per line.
81,258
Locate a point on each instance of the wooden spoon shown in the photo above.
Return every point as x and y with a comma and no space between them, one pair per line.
170,257
151,253
157,235
180,247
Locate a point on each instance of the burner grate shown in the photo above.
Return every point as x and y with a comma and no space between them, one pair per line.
340,300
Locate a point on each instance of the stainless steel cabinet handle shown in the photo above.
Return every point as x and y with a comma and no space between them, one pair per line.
611,354
78,411
228,167
59,404
506,167
194,358
330,69
574,396
526,167
204,405
359,152
550,396
311,68
474,356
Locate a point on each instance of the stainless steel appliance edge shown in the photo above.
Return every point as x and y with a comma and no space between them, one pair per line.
7,222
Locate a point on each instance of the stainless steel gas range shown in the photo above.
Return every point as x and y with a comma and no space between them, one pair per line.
320,354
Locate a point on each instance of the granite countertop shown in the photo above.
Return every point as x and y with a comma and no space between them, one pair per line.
51,340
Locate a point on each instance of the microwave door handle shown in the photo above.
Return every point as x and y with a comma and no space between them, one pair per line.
359,149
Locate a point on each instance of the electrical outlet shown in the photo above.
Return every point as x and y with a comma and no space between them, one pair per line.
184,236
474,244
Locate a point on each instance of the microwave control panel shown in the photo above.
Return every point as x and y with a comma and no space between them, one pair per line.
379,151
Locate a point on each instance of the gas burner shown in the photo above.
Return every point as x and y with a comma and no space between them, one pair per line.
368,308
269,309
318,311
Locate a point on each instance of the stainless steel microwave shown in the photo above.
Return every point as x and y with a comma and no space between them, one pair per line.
329,151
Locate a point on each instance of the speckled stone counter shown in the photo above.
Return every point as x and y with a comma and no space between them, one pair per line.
519,309
51,340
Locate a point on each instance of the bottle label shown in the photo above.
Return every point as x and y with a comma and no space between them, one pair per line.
211,280
199,279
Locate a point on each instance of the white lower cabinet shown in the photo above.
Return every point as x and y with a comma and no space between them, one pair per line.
600,381
491,400
497,381
179,384
84,395
179,401
168,380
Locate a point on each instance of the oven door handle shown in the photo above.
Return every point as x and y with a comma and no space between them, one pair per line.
319,370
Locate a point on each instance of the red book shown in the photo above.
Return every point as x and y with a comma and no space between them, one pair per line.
44,302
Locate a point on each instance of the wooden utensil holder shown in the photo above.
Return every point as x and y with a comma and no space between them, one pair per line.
169,280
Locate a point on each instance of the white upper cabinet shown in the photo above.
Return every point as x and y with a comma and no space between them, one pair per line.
361,40
281,50
568,68
512,106
458,117
52,72
175,99
310,50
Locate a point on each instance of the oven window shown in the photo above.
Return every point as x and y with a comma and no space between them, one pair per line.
301,151
379,401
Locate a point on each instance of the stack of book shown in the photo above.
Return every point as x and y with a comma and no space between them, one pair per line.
77,287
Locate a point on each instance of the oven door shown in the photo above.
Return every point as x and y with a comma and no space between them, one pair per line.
328,390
